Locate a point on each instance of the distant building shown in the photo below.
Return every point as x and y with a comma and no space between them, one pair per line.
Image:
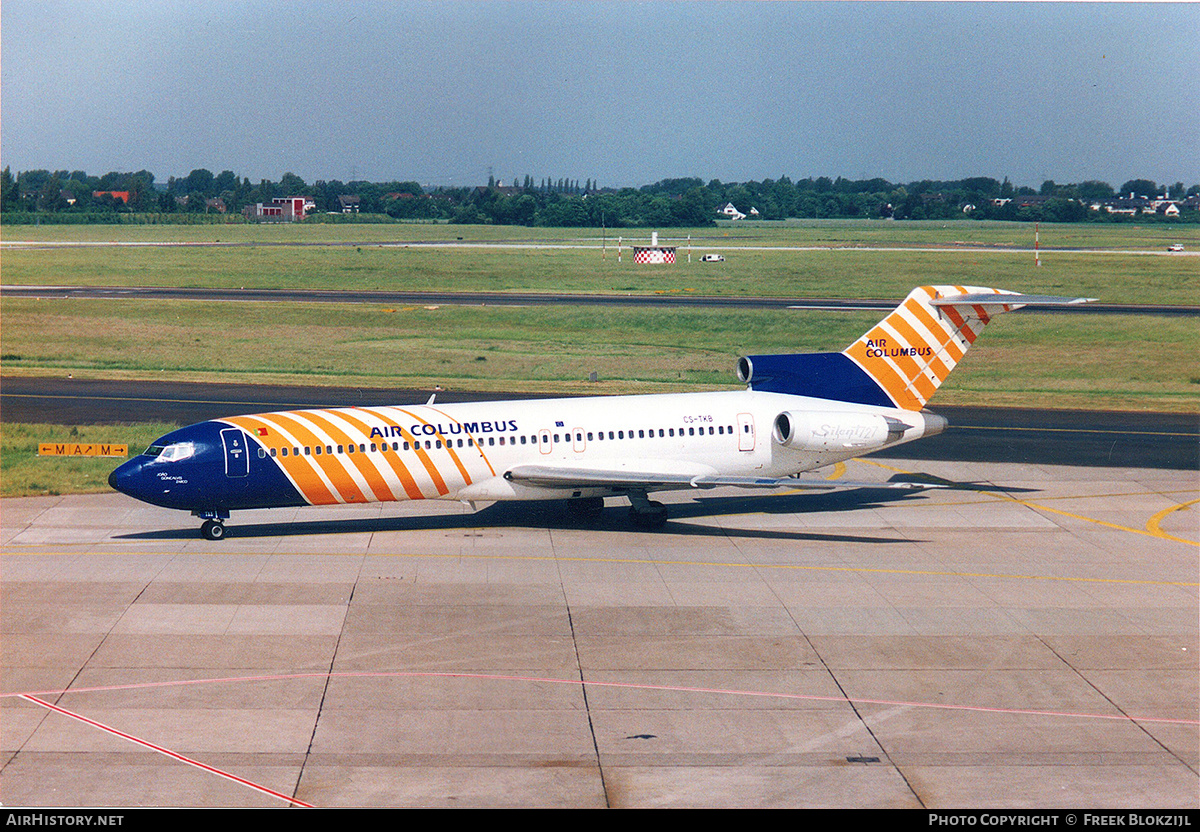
281,209
121,195
731,212
349,204
1127,205
1032,200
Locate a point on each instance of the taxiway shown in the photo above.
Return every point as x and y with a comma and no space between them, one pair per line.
1029,641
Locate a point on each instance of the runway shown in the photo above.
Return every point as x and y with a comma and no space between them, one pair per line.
1029,641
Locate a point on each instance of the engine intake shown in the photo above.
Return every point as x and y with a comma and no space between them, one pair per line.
745,369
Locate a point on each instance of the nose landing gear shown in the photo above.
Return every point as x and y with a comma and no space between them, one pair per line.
213,527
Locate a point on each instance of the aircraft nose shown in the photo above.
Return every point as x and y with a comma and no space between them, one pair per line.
126,477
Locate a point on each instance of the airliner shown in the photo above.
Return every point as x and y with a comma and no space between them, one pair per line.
797,413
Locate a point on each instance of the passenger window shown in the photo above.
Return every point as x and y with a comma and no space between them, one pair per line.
272,452
349,449
283,451
261,453
307,450
341,449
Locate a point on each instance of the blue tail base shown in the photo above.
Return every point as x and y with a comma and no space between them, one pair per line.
821,375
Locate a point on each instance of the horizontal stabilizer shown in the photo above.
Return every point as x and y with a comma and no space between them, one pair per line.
1011,300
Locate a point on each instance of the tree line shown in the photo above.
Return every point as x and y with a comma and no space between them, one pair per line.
564,202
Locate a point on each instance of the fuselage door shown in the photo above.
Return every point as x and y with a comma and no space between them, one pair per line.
580,444
745,429
237,453
544,443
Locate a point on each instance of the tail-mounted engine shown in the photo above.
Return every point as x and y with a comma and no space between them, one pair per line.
833,431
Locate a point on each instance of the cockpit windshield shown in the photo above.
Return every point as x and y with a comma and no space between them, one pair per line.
173,452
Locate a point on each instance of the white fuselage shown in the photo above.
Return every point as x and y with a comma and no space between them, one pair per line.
462,451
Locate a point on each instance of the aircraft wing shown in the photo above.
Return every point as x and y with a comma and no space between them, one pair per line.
547,476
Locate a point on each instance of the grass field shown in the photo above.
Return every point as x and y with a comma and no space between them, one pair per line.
25,473
758,262
1051,360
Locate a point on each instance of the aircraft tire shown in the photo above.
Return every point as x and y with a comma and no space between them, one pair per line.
212,530
653,516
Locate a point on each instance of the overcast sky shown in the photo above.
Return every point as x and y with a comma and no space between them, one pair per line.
623,92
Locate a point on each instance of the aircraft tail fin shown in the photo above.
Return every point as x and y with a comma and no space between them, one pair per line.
902,360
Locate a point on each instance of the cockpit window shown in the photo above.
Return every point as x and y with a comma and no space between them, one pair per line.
173,452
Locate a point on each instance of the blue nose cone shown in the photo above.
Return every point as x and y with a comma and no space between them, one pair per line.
134,478
127,477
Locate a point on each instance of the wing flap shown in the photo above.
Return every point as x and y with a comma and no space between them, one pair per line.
546,476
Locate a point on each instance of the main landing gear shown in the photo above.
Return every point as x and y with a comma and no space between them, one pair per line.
645,513
213,527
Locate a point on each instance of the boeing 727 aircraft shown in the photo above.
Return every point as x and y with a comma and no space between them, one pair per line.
799,412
